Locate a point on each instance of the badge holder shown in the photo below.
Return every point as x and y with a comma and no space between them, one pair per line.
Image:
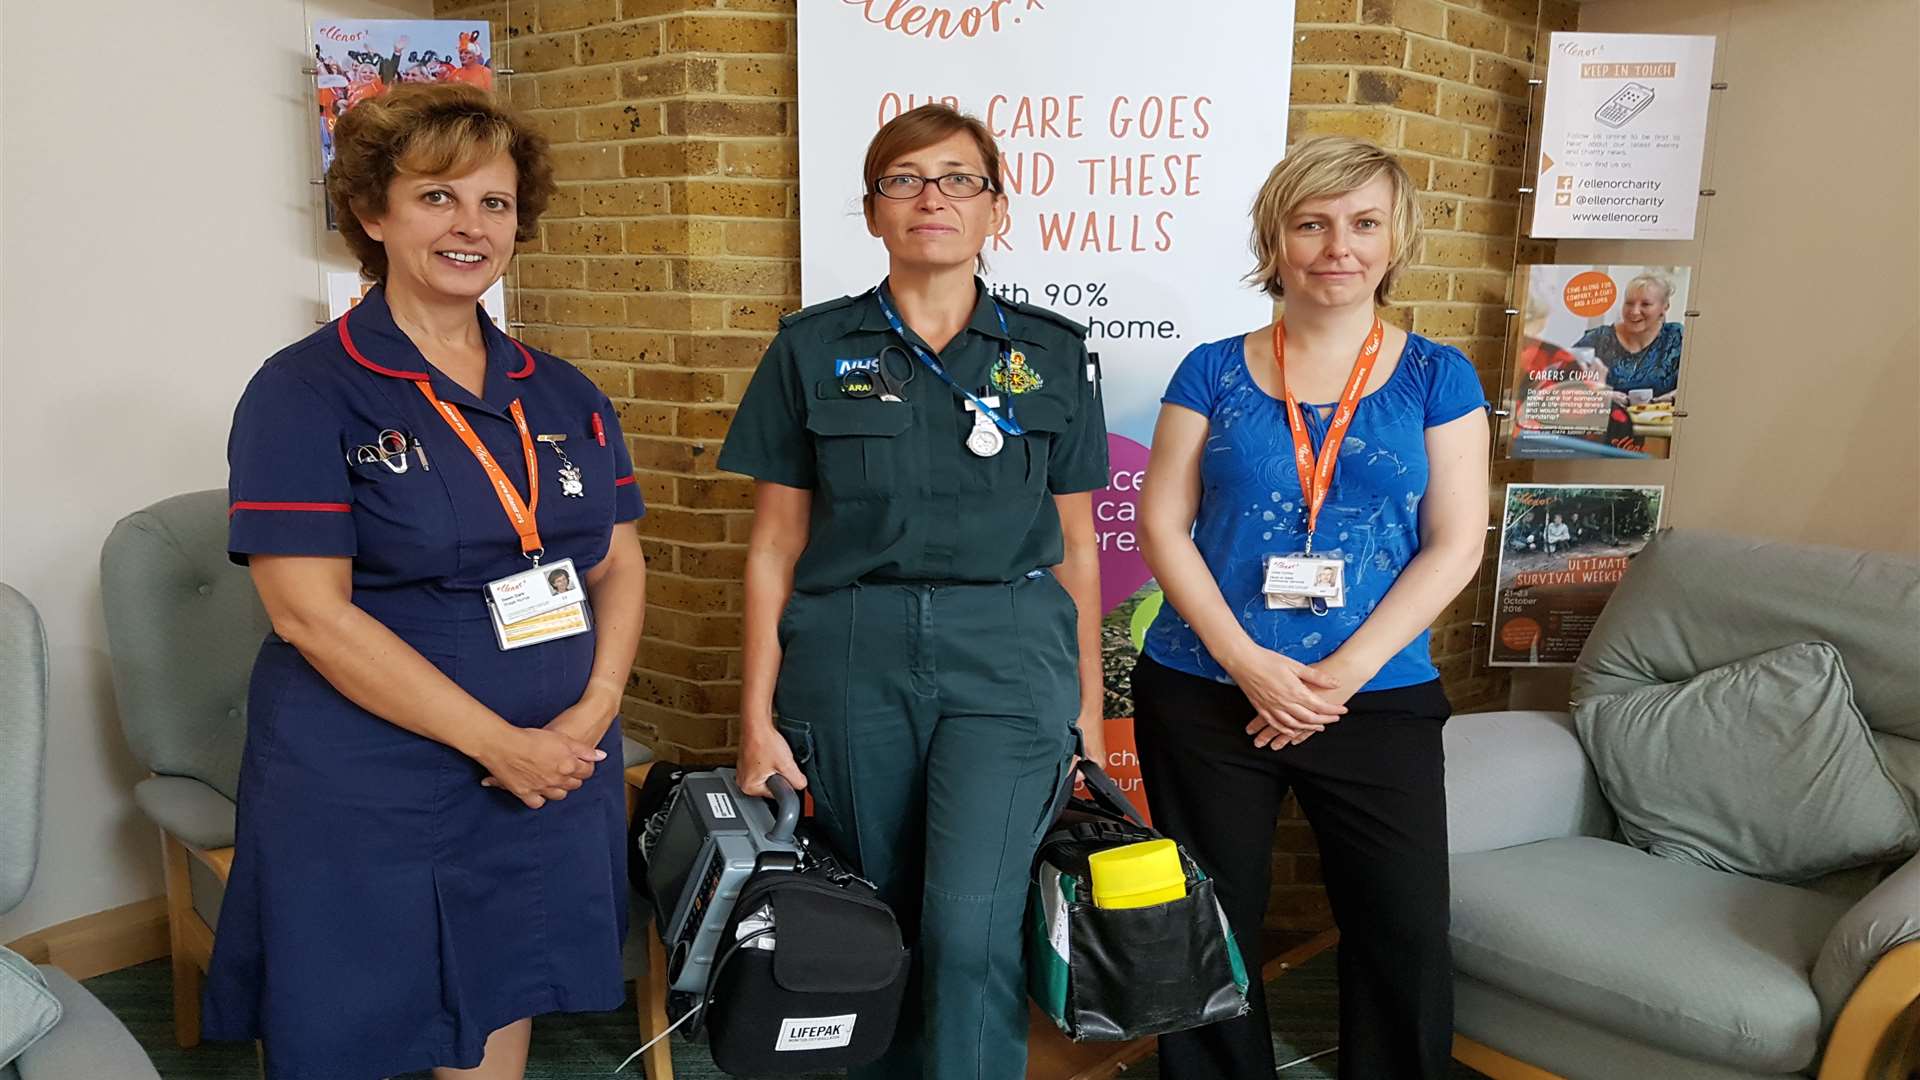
1316,583
545,603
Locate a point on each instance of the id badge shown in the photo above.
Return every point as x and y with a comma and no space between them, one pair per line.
542,604
1306,581
1305,575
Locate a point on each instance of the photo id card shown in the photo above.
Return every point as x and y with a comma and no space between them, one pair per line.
535,629
1305,575
536,591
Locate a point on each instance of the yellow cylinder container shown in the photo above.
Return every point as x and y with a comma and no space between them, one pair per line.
1137,875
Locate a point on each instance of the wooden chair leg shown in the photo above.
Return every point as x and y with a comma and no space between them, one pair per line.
652,995
186,972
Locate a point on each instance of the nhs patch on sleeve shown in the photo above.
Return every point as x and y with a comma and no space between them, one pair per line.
816,1032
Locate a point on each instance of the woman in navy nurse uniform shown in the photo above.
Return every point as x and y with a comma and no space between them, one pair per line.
430,837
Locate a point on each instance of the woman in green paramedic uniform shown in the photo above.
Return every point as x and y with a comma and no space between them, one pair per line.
922,585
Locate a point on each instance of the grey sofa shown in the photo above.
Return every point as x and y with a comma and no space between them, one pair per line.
86,1041
1581,957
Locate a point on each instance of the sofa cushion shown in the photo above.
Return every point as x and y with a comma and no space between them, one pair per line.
28,1009
1701,963
1762,767
89,1042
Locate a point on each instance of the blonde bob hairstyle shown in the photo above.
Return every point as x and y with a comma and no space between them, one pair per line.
428,129
1328,167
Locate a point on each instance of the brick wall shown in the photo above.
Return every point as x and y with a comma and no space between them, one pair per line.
673,248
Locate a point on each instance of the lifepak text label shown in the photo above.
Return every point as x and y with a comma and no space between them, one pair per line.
816,1032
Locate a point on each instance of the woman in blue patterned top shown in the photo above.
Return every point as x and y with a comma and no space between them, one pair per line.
1250,686
1642,350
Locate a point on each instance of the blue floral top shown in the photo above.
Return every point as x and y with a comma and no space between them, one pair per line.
1655,368
1250,503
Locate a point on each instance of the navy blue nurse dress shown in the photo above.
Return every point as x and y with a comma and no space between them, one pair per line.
385,912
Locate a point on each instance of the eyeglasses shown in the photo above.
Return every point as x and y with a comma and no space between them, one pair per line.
957,185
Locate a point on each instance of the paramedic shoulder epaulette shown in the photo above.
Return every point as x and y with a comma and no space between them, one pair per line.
1076,329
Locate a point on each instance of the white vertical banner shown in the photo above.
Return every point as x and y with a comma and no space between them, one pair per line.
1135,135
1623,135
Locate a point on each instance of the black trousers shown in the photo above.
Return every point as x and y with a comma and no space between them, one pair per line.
1373,787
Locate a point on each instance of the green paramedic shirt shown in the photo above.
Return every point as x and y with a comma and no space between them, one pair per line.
897,495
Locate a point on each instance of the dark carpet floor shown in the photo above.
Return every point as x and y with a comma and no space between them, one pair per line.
1302,1004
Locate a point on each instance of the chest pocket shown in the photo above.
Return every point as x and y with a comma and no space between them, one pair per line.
404,519
1046,422
857,445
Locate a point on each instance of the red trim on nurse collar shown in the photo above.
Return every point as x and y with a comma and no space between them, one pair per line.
346,340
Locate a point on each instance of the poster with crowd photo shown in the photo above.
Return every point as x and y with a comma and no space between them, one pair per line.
1563,547
1135,137
355,59
1596,361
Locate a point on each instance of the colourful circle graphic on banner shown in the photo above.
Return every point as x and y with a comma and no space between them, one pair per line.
1590,294
1520,634
1143,617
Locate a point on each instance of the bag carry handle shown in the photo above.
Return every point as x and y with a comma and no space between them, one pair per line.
1105,793
786,802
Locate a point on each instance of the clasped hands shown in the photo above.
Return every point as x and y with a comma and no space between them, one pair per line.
538,765
1291,701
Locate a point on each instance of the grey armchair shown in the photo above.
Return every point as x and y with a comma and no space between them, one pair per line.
1578,956
86,1041
183,626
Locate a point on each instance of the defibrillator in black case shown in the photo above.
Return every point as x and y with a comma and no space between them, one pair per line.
710,840
811,972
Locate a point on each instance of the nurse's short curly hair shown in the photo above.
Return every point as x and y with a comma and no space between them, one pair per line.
428,129
1330,166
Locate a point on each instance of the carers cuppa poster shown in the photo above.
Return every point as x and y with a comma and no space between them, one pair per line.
1135,135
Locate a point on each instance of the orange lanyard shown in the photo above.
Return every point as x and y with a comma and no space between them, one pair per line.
521,514
1316,475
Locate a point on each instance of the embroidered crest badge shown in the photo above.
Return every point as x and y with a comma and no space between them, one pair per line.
1015,377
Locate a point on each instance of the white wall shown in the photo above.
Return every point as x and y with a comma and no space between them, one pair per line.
158,241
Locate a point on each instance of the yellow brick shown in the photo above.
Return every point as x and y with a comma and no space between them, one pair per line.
675,157
759,314
537,54
582,309
704,423
1493,148
1414,285
586,162
767,160
1476,31
1480,288
1449,62
614,380
733,351
666,384
550,272
1323,11
522,93
1393,88
583,237
672,77
1374,124
733,277
733,198
660,312
1426,17
1513,118
726,33
770,238
1500,76
564,204
658,236
1438,211
624,198
1436,137
620,122
581,86
710,313
1401,317
1512,10
1319,86
558,127
1462,178
629,275
1444,320
562,341
726,118
630,346
1453,249
1469,106
620,43
1521,43
1348,46
759,77
574,14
